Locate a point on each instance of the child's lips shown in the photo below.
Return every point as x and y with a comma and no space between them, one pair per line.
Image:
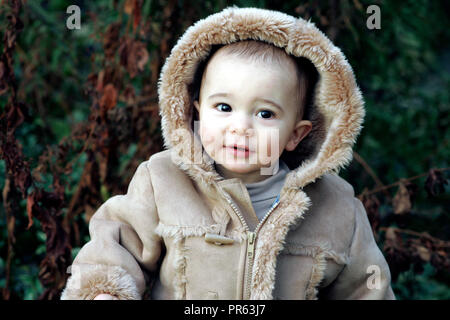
238,150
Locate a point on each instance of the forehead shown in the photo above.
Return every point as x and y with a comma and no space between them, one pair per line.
228,70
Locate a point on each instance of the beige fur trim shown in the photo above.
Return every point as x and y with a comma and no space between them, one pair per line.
99,279
180,279
270,242
317,275
313,250
175,231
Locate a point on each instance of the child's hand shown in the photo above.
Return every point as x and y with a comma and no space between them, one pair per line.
105,296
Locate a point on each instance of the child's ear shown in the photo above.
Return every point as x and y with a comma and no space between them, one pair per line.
197,106
301,130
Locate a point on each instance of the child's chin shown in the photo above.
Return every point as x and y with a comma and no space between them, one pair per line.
241,168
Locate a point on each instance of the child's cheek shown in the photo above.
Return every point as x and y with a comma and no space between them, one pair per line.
209,138
206,134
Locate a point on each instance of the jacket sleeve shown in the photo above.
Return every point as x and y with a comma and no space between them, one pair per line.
366,275
123,245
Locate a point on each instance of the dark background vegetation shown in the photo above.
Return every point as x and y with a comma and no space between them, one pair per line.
79,113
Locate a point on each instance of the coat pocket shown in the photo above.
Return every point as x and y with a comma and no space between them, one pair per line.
212,270
313,267
200,263
293,275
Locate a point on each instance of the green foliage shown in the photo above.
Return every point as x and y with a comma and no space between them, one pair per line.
413,286
403,70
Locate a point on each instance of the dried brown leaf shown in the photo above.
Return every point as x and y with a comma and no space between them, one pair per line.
133,56
391,235
133,7
301,9
141,55
109,97
111,40
358,5
402,202
129,6
2,69
129,95
30,204
435,183
99,80
372,204
424,253
137,14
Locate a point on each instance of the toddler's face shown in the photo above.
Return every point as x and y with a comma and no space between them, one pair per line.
248,115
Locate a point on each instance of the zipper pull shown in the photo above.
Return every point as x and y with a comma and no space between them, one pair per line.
251,244
217,239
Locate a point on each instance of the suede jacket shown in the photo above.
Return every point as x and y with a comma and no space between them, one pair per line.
184,232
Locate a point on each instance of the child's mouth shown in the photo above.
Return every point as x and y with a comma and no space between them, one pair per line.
239,151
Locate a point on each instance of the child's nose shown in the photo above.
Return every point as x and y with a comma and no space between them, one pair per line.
241,125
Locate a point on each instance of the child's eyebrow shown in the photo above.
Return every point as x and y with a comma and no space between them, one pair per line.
220,94
270,102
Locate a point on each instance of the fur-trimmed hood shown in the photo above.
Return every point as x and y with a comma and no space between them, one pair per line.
337,97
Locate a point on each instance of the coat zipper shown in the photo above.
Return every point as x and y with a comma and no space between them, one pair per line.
251,240
250,255
236,210
274,205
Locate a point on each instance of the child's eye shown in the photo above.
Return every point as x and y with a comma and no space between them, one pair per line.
223,107
266,114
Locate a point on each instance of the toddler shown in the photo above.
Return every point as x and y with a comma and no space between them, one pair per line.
259,111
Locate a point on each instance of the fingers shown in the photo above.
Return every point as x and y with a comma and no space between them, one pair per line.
105,296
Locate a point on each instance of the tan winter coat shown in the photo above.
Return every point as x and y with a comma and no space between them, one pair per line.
186,233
